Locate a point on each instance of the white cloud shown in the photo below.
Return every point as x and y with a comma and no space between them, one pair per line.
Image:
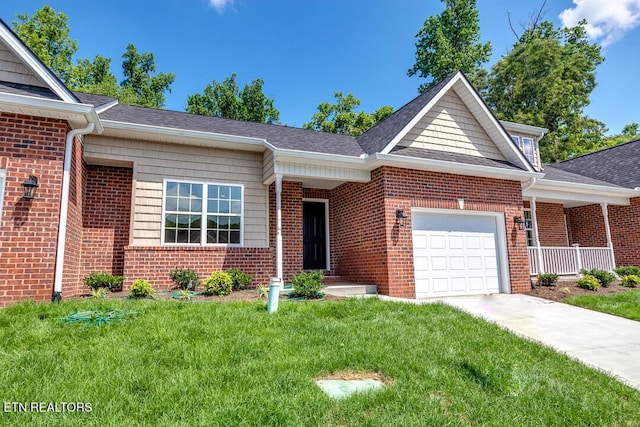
220,5
606,21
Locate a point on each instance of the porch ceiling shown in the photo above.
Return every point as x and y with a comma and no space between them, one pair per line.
571,199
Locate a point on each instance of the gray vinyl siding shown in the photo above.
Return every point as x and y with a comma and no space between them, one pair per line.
13,70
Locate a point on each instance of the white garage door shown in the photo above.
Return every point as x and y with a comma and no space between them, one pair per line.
455,254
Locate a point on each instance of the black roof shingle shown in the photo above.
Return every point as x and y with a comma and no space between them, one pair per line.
28,90
553,173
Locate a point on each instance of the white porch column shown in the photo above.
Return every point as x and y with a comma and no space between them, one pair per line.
279,227
605,214
536,238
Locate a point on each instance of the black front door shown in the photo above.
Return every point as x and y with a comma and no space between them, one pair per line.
314,235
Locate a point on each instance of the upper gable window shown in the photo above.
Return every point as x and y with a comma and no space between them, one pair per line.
202,213
3,178
528,148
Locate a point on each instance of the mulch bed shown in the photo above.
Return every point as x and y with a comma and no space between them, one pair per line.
568,288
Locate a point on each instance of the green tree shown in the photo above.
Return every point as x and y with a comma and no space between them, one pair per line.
140,86
47,35
94,77
450,42
630,132
341,118
227,100
546,80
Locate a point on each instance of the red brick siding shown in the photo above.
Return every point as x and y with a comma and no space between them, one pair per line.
586,224
28,231
155,263
552,228
291,200
358,241
405,188
72,274
106,219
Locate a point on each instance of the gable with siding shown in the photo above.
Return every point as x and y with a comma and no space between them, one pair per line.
13,69
450,126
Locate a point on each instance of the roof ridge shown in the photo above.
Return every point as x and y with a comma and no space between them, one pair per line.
599,151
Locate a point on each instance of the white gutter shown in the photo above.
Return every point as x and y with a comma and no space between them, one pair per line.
532,182
546,184
64,208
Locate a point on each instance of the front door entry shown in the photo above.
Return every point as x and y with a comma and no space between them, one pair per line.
314,236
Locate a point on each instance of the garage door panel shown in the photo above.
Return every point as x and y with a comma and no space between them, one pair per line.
460,258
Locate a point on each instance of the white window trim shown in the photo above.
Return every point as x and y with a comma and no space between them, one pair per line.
326,227
529,229
203,222
3,179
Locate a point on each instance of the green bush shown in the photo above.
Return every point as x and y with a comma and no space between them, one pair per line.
589,282
307,284
604,277
185,278
141,289
219,283
103,280
627,270
241,280
630,281
99,293
547,279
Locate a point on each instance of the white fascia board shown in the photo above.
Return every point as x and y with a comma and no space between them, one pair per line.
43,106
600,190
185,133
451,167
312,157
418,117
104,107
33,63
507,138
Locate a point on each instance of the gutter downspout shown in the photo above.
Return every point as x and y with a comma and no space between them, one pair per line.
64,209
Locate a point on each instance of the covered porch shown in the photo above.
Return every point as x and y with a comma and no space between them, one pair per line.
567,226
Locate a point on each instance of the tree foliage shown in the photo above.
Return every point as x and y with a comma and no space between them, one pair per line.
341,118
227,100
630,132
450,42
47,35
546,80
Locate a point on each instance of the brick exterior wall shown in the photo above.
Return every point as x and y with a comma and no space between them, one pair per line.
552,229
29,229
106,219
586,227
155,263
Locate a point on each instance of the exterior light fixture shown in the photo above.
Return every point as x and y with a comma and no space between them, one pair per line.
400,217
29,187
461,203
519,221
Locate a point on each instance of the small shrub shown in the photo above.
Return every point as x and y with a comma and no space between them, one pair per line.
241,280
630,281
547,279
103,280
589,282
141,289
604,277
565,290
307,284
263,291
627,270
185,278
99,293
219,283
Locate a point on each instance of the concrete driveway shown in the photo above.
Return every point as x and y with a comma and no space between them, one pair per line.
608,343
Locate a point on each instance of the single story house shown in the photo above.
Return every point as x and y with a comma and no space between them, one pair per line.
441,198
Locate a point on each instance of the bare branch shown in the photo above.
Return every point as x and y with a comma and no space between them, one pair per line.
511,26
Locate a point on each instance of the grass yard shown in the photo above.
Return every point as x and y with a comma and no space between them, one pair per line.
623,304
233,364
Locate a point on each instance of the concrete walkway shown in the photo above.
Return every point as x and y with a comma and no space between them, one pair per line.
608,343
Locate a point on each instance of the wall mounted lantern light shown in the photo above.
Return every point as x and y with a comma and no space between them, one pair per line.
519,221
400,217
29,187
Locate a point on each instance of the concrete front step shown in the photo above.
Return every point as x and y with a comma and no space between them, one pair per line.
350,289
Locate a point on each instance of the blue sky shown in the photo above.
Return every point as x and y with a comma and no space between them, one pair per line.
305,50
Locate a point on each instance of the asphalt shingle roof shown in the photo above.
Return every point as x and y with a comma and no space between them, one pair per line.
376,138
423,153
28,90
552,173
281,136
619,165
95,100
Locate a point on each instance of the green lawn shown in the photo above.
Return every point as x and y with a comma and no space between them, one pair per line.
233,364
623,304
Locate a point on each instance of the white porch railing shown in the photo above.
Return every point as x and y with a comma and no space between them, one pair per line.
570,260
